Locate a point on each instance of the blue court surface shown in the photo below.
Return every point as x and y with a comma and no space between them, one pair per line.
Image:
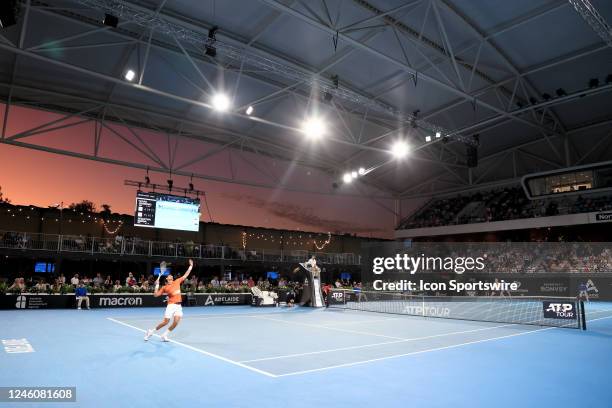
250,357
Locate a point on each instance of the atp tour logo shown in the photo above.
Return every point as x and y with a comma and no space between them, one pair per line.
555,310
337,297
22,302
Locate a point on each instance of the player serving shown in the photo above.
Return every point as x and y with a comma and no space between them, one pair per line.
174,310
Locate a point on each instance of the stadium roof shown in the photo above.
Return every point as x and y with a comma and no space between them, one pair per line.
517,73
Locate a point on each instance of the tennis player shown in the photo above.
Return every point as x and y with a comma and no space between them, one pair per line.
174,310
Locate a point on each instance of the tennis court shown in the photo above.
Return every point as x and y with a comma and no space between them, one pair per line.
242,356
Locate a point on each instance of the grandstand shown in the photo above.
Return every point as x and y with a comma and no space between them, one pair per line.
298,203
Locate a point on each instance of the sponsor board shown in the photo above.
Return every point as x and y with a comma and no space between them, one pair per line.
212,299
559,310
27,301
557,288
603,217
336,298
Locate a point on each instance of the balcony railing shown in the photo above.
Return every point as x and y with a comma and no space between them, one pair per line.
138,247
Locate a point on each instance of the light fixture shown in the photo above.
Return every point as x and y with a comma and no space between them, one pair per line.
400,149
593,83
209,46
221,102
347,178
249,110
130,75
354,174
361,171
110,20
609,79
438,135
428,138
314,128
546,96
561,92
170,184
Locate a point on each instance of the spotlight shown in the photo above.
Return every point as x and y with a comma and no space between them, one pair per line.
533,100
130,75
609,79
191,187
593,83
110,20
361,171
400,149
428,138
249,110
314,128
147,180
354,174
347,178
546,96
561,92
9,9
170,184
221,102
519,104
438,135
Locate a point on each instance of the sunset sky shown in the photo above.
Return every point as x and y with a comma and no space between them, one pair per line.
29,176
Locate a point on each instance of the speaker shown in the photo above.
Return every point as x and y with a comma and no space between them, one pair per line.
472,156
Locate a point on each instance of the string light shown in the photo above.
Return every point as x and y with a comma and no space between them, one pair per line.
244,240
112,231
325,243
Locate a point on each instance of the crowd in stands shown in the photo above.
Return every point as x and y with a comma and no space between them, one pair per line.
499,205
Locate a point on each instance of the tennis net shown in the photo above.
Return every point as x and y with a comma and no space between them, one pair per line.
542,311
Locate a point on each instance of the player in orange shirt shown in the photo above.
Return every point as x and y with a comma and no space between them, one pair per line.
174,310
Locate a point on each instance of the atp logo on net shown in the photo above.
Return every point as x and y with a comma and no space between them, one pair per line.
555,310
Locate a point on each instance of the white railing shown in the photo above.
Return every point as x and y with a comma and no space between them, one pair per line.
139,247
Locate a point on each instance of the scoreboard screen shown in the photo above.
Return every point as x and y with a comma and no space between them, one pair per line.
156,210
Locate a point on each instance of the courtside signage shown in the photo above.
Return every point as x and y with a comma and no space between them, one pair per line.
559,310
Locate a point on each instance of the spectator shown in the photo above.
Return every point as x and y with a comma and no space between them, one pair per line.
81,294
117,287
215,282
97,281
62,279
130,280
250,282
75,280
41,286
18,284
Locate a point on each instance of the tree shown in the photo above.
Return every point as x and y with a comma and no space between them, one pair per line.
106,211
2,199
84,207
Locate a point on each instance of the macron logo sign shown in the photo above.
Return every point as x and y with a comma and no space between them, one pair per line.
120,301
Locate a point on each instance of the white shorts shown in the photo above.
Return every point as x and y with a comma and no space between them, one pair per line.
173,309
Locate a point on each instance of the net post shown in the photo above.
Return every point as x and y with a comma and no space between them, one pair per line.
582,315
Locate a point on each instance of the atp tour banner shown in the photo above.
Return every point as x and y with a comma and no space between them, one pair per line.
114,300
